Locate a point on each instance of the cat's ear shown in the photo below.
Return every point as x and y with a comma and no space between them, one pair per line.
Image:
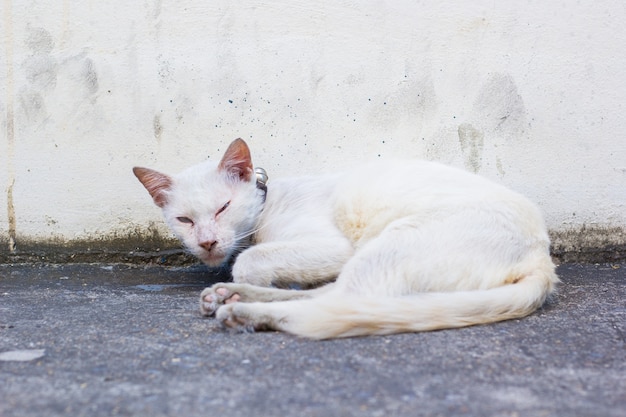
237,162
156,183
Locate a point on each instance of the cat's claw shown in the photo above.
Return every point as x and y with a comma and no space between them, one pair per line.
212,298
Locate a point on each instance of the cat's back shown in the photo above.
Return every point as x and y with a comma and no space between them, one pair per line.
368,198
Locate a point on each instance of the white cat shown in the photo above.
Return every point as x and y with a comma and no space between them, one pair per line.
402,246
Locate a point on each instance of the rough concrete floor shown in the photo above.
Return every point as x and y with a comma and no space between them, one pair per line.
116,340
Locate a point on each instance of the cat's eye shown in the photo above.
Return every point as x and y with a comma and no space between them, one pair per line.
185,220
224,207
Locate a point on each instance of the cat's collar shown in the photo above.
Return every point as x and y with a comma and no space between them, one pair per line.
261,181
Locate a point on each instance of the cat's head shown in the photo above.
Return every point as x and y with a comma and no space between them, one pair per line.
211,207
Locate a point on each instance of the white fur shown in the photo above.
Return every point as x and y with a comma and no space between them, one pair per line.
411,246
198,193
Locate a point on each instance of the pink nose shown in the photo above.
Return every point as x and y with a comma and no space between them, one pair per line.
207,245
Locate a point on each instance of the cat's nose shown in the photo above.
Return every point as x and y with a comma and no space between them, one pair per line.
207,245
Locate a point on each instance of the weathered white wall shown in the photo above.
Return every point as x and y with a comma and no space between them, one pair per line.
529,93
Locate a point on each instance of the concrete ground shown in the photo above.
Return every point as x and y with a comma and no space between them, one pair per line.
97,340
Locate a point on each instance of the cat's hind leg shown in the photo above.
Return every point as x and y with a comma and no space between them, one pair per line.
309,262
212,298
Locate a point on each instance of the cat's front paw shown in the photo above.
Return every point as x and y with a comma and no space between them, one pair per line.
229,319
248,317
212,298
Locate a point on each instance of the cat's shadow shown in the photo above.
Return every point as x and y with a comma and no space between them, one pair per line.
217,274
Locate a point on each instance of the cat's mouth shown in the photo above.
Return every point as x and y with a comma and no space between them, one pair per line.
212,258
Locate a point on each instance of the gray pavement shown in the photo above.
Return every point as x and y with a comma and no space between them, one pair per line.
128,341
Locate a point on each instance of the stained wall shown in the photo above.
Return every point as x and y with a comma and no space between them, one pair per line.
530,94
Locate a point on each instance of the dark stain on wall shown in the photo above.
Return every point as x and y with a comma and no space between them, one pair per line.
472,142
157,127
501,106
589,244
12,220
149,246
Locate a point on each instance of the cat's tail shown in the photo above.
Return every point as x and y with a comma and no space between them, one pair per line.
341,315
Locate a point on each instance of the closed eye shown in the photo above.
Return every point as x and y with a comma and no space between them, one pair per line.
185,220
224,207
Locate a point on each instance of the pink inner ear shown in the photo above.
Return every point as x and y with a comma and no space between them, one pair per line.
236,161
156,183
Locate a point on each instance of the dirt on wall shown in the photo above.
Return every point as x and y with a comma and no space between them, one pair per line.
589,244
585,245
